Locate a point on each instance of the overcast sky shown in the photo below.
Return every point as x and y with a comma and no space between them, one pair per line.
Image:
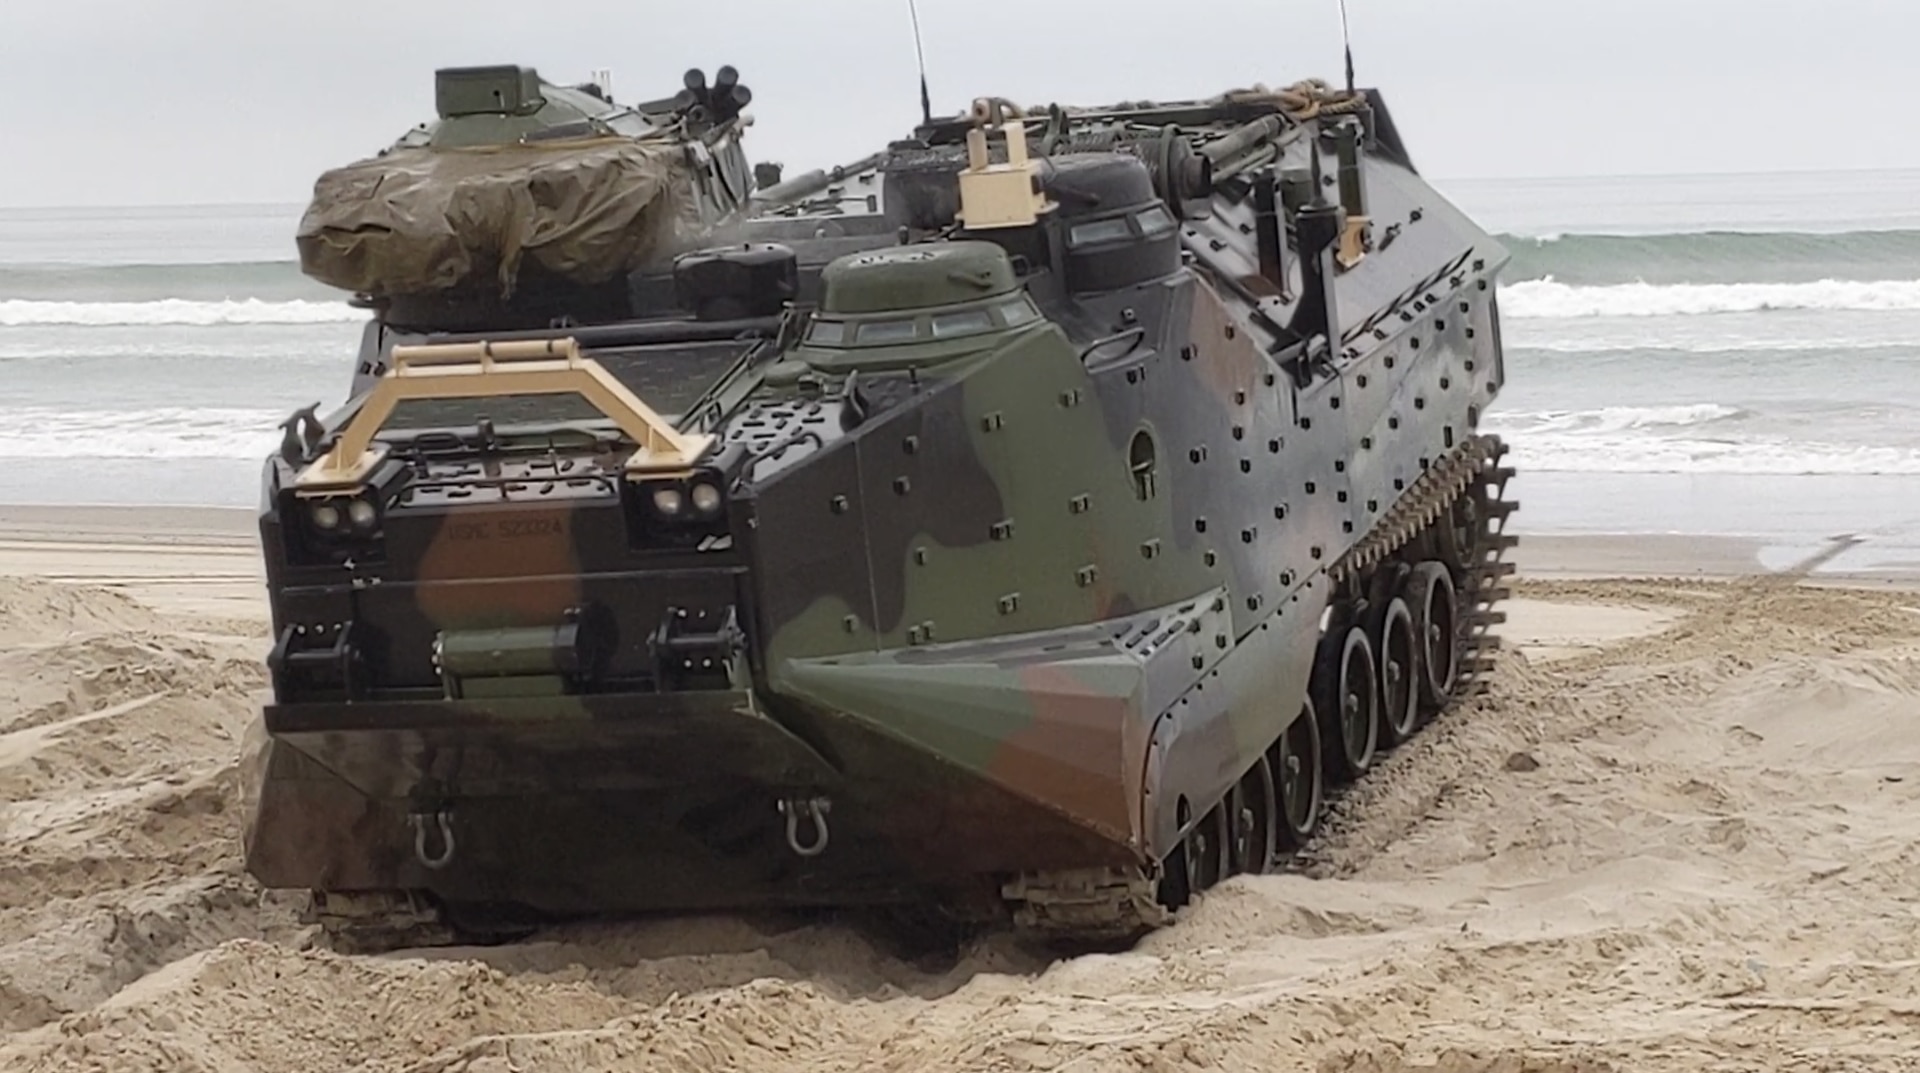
130,102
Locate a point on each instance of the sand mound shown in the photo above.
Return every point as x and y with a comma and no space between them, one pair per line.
1690,849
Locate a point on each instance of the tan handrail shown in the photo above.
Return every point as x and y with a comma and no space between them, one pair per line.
486,370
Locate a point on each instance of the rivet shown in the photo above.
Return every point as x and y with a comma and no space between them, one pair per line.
910,444
901,485
839,504
1273,447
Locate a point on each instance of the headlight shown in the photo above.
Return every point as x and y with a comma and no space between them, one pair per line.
668,501
325,516
706,498
362,514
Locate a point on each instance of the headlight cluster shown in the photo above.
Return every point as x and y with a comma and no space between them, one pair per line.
696,499
343,515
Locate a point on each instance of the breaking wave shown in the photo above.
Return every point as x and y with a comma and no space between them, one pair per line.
1714,256
1581,453
1612,419
165,432
1546,299
270,281
176,311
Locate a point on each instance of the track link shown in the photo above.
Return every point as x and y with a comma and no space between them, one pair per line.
1468,484
1484,582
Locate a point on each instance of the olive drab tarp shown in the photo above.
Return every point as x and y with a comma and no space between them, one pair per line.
423,220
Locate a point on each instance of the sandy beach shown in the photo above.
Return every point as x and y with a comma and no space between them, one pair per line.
1680,833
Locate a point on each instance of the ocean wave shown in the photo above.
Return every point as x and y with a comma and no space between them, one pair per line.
1548,299
233,346
163,432
1581,453
1701,347
269,281
176,311
1612,419
1714,256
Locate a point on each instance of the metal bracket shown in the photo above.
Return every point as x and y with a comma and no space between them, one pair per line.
499,370
999,195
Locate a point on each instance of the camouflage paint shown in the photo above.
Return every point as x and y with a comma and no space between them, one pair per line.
965,623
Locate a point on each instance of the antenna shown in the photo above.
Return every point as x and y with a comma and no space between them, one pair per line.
926,102
1346,41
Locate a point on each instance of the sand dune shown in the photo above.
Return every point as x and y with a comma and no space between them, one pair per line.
1681,833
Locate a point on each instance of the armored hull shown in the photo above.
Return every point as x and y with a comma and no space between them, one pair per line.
1036,521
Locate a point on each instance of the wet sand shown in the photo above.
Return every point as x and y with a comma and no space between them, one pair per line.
1680,833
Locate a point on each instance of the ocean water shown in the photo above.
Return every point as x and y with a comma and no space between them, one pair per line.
1703,354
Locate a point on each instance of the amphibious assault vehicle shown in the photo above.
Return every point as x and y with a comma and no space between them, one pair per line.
1036,520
